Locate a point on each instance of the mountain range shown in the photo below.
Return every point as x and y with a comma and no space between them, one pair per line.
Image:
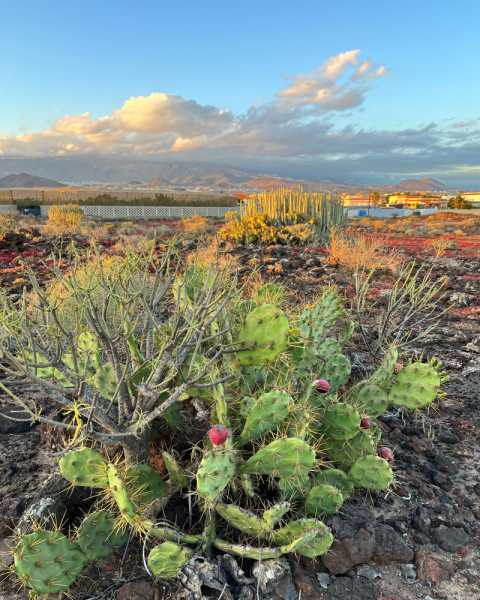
24,180
97,170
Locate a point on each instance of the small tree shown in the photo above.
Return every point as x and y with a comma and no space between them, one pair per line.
376,198
459,202
141,339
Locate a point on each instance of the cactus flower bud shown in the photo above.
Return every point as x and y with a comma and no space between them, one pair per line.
385,453
218,434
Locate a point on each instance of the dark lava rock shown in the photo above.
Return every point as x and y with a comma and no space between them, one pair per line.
445,463
449,438
9,426
451,539
422,520
388,546
348,588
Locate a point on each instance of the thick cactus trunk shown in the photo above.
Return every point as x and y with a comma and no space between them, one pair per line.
136,449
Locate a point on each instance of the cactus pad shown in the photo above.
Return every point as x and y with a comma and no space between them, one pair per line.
383,375
295,488
86,467
337,479
266,329
288,457
247,551
48,562
167,559
416,386
144,484
242,519
336,370
345,333
370,399
371,472
293,530
346,452
265,415
323,499
340,421
119,492
97,536
215,472
176,476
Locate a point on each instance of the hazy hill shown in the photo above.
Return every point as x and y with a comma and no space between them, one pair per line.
426,184
24,180
158,182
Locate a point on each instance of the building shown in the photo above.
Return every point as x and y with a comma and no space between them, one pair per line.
357,200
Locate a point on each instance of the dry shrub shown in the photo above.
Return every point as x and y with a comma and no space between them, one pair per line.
197,227
379,224
470,222
351,252
127,228
366,222
211,253
101,233
440,216
54,229
459,232
439,246
69,216
9,219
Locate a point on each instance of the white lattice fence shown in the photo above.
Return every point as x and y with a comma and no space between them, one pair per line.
150,212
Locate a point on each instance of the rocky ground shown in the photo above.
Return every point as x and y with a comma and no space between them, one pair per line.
420,541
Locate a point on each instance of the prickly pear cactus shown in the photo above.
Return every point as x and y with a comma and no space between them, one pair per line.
371,472
383,375
294,529
337,479
341,421
416,386
347,452
269,292
47,562
266,414
167,559
323,499
175,472
86,468
144,484
369,398
284,458
265,329
97,536
215,472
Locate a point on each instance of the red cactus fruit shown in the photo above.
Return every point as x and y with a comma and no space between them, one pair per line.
385,453
365,422
342,389
218,434
322,386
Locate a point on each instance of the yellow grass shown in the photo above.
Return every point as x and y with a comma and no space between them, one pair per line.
69,216
351,252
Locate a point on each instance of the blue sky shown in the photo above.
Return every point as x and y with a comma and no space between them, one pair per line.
61,58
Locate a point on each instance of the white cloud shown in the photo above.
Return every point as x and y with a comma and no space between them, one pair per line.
297,125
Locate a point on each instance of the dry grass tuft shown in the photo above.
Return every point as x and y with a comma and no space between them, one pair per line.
69,216
197,227
352,252
211,252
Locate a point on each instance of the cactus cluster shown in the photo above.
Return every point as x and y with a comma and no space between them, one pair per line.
285,419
